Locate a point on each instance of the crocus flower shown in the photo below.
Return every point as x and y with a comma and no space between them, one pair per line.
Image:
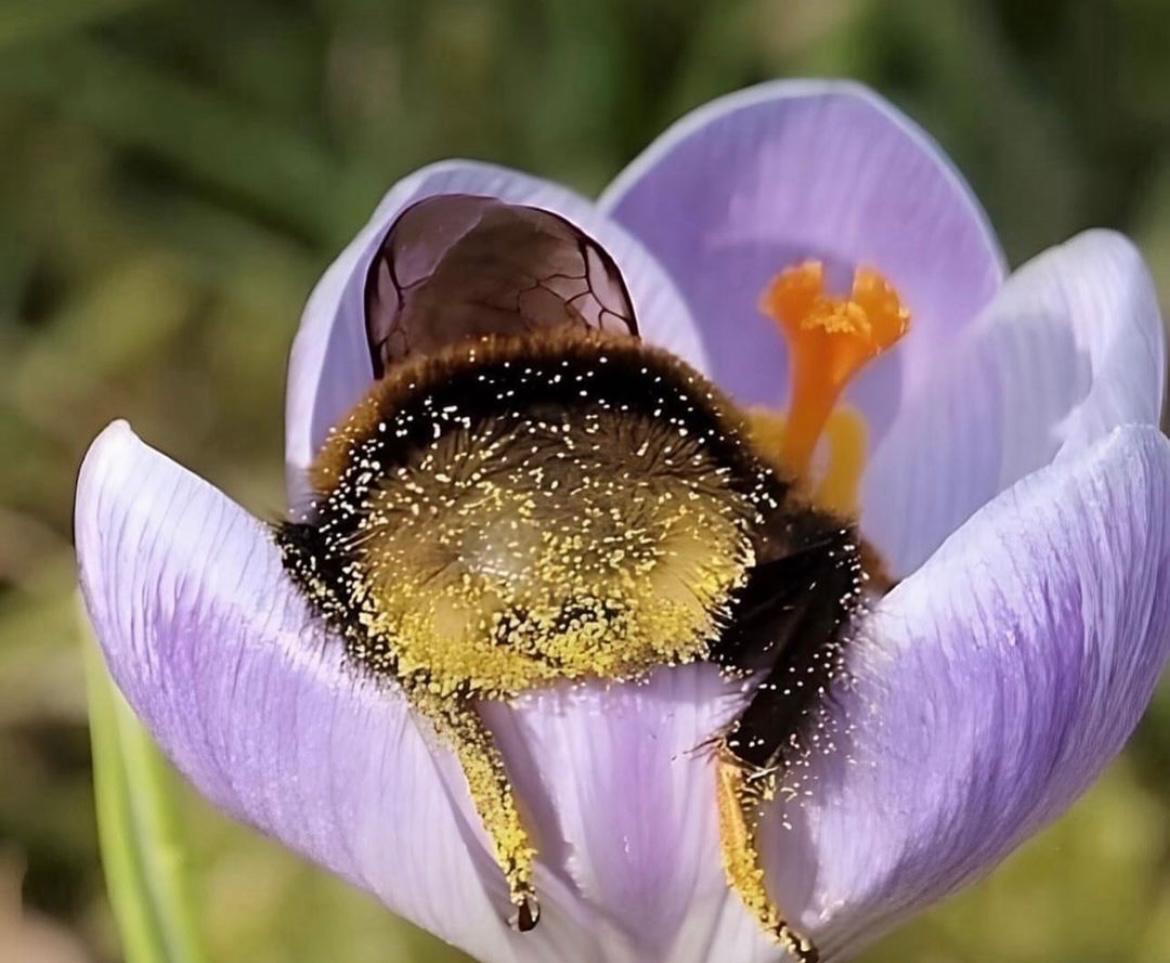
1017,486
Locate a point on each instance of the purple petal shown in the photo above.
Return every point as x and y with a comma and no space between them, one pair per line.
1072,347
622,775
330,367
768,177
249,696
994,685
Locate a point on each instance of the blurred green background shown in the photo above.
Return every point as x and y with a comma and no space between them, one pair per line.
174,177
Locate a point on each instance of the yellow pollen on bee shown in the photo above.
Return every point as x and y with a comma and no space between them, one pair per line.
830,339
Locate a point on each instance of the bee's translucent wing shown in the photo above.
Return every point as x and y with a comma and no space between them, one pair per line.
458,266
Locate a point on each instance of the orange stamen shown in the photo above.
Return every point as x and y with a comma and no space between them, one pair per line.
830,339
837,483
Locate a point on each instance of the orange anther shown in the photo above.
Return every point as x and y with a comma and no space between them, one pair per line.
830,339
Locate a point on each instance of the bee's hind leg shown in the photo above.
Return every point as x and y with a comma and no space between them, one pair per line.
796,621
495,801
741,792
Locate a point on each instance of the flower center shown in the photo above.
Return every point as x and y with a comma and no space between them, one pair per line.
830,340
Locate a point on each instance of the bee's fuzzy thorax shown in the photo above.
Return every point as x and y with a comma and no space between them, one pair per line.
511,511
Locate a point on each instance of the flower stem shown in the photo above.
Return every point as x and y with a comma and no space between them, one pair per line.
141,853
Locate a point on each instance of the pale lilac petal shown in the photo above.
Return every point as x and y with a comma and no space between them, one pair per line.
248,696
330,369
623,774
1072,347
770,176
993,686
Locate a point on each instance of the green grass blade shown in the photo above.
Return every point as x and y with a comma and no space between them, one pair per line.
141,853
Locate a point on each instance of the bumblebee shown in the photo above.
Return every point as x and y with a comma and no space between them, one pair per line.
530,493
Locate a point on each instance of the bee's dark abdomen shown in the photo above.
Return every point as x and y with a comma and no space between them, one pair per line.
318,571
540,413
308,564
516,511
792,622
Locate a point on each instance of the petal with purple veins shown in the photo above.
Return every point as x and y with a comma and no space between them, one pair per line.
993,686
771,176
248,695
1072,347
623,774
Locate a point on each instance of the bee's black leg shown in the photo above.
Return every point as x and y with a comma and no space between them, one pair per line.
796,612
802,643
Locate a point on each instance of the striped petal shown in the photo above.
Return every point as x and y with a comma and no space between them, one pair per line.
790,170
250,697
993,686
1071,348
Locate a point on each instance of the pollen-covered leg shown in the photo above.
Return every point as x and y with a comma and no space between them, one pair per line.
740,793
794,614
495,801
